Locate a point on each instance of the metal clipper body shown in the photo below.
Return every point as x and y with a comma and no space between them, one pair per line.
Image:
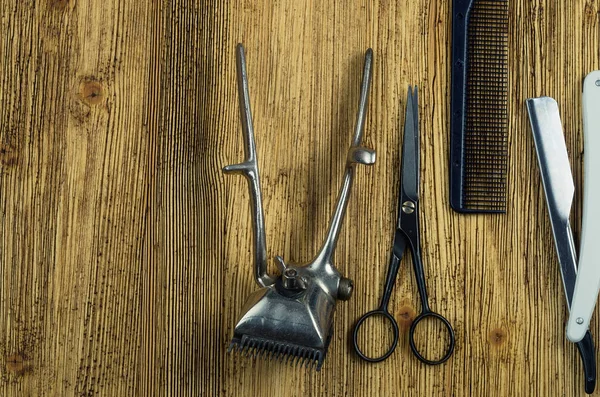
284,322
291,315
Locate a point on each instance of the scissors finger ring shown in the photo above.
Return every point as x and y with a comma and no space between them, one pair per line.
392,347
451,339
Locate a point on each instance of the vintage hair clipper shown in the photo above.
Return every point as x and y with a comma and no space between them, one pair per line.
291,315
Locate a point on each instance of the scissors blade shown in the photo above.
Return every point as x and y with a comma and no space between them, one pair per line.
410,148
409,172
399,244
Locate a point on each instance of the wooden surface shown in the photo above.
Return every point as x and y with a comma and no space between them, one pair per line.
125,253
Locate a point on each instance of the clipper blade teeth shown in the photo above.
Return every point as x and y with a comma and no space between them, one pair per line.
293,354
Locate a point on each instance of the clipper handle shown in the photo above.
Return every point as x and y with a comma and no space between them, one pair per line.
356,155
249,168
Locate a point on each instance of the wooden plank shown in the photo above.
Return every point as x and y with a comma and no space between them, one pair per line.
72,185
182,300
125,254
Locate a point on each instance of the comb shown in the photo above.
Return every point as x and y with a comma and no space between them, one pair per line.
479,124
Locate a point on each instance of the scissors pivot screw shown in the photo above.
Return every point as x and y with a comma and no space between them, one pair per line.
408,207
579,320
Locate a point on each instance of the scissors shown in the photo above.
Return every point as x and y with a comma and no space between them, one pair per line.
407,233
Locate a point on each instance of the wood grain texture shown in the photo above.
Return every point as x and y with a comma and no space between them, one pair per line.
125,253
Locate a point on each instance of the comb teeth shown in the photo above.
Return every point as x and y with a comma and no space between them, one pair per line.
293,354
479,106
486,121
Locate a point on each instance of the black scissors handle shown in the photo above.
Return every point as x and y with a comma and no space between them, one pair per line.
426,313
451,339
382,310
378,312
411,230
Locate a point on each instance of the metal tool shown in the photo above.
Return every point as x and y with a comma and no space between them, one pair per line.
559,189
291,315
407,233
585,295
